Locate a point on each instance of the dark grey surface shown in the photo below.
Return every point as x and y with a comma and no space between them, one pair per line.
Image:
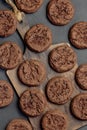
60,34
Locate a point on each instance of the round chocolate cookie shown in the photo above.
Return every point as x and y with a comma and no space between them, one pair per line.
62,58
79,106
10,55
6,93
28,6
19,124
78,35
8,23
81,76
60,12
54,120
59,90
38,38
32,72
32,102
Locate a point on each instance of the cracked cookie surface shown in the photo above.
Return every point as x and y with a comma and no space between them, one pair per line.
8,23
59,90
60,12
32,72
78,35
29,6
38,38
79,106
81,76
10,55
54,120
62,58
6,93
32,102
19,124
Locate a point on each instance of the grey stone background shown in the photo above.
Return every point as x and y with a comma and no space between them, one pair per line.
60,34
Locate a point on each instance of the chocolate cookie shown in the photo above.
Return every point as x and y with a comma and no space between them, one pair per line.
6,93
32,102
81,76
19,124
32,72
79,106
59,90
78,35
29,6
38,38
8,23
60,12
10,55
54,120
62,58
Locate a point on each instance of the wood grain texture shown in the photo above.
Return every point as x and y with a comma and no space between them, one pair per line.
19,87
